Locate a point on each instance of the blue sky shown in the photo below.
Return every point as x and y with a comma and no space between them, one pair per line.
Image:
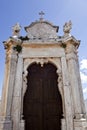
56,11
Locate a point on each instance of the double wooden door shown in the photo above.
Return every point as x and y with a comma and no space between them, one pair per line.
42,105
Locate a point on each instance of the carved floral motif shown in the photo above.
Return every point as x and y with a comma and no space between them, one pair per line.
41,30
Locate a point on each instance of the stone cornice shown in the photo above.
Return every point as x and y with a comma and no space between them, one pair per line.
12,40
11,44
45,40
60,40
71,40
38,43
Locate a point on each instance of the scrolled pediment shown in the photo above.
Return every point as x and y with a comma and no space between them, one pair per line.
41,30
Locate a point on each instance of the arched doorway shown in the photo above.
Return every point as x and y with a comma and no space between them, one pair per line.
42,104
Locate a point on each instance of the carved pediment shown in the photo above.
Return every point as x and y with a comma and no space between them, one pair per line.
41,30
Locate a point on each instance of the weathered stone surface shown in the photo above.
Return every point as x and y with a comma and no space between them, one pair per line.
41,30
86,105
42,46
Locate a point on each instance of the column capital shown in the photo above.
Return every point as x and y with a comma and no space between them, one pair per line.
72,56
11,54
71,48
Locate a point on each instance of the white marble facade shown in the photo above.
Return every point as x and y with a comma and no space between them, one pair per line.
42,45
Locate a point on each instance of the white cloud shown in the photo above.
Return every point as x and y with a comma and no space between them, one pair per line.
83,64
83,67
83,77
85,90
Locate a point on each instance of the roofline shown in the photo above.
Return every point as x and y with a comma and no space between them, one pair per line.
36,22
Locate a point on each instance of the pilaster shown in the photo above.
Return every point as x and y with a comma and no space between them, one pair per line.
80,122
74,75
67,95
16,104
7,92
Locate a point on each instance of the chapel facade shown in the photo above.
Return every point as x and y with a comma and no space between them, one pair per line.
42,87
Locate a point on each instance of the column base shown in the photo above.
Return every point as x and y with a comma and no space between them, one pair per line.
80,116
80,124
22,124
63,124
5,124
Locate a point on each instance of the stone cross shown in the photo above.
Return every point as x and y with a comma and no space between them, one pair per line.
41,15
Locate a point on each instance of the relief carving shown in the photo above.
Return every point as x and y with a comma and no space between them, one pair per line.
41,30
28,62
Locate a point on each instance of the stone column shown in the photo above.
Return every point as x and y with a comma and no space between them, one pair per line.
74,78
16,105
67,95
80,122
7,92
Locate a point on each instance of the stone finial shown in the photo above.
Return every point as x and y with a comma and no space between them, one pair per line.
67,27
16,29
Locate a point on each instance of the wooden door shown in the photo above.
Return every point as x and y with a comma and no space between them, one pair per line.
42,106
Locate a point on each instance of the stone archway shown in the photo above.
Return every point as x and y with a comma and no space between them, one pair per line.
42,104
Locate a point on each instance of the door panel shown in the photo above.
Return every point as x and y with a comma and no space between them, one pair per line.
42,106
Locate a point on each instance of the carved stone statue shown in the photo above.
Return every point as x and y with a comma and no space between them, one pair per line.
16,29
67,27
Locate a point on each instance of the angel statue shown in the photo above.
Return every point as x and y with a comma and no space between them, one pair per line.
16,29
67,27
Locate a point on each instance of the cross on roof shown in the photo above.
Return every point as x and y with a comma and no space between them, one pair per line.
41,15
